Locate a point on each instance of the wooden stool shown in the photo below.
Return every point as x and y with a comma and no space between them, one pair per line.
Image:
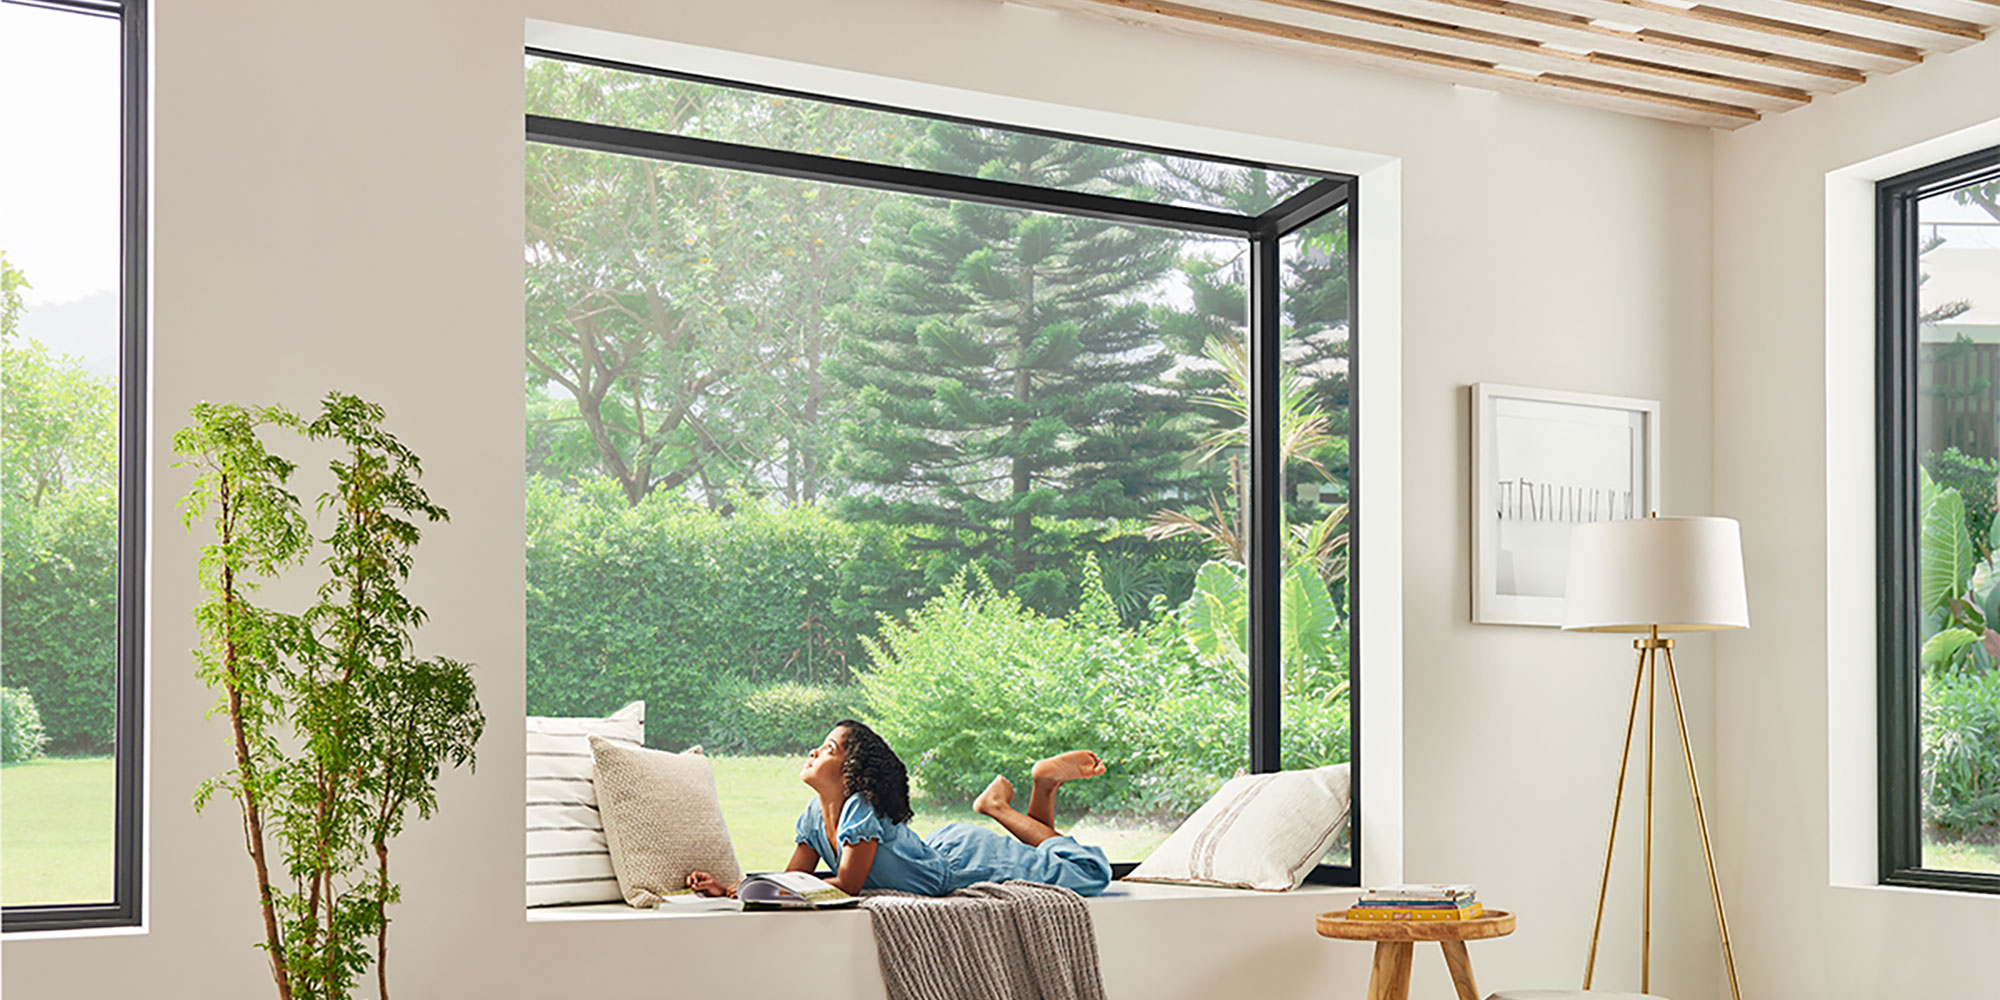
1394,939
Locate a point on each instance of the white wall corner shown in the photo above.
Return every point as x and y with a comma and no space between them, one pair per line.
1379,405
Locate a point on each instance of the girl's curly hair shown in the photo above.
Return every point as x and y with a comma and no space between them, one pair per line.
873,771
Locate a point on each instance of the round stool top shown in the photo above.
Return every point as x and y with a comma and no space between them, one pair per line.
1570,995
1492,924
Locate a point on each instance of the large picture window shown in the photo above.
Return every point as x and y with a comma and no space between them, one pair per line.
1939,368
72,421
1006,442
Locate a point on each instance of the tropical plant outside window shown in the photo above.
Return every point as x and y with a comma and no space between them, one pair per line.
979,475
65,676
1958,582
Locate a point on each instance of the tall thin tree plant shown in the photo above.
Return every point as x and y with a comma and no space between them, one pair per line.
339,729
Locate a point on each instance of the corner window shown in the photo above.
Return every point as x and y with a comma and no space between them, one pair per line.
1939,455
1006,442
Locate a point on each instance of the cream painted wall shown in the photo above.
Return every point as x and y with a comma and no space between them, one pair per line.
1794,453
338,205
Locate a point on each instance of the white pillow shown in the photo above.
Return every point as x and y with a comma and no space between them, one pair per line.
568,859
662,819
1261,831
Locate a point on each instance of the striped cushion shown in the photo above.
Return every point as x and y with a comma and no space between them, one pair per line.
1261,831
568,859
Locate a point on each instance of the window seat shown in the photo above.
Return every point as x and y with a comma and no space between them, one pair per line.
1155,941
1327,897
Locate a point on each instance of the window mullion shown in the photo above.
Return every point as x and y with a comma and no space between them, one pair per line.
1266,541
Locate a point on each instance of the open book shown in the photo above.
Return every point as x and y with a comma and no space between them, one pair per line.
790,891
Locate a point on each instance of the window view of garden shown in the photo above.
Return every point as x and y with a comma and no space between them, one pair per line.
59,340
1958,430
979,476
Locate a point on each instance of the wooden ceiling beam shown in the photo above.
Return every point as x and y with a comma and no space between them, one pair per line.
1984,12
1746,31
1524,53
1561,28
1411,60
1926,32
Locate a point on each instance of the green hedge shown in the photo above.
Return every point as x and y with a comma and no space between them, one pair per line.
684,607
1961,752
783,717
21,736
59,605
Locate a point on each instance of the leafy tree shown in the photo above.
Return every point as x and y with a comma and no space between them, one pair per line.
1008,372
677,328
58,517
1986,196
11,283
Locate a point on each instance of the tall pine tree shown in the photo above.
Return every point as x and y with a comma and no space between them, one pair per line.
1011,380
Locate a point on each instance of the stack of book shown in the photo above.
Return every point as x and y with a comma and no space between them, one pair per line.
1418,902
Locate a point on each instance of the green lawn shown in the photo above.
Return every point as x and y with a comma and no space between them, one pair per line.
762,798
56,822
1962,857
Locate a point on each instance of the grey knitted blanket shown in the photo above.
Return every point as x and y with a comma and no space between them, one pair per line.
992,941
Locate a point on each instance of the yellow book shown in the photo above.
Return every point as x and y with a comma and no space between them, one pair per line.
1417,913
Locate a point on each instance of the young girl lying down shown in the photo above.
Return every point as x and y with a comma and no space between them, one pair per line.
859,827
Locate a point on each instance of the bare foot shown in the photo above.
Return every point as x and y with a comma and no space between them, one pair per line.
998,796
1067,767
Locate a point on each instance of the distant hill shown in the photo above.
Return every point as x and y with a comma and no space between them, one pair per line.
86,327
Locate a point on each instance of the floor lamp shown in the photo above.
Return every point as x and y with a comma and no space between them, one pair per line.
1653,576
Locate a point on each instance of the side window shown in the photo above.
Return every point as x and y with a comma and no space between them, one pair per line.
72,288
1939,368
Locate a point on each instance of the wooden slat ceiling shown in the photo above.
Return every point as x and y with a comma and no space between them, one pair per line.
1719,63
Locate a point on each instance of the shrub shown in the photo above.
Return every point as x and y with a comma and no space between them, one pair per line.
977,684
1961,752
982,685
21,736
679,605
780,718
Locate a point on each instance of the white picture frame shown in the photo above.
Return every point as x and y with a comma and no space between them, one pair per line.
1542,461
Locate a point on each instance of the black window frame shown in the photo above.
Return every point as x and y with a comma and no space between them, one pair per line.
124,909
1898,628
1263,233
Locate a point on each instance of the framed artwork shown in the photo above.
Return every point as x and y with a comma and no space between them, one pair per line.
1543,461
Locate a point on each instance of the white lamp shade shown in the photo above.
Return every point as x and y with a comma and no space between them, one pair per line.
1679,574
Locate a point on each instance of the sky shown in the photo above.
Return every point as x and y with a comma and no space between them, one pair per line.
59,126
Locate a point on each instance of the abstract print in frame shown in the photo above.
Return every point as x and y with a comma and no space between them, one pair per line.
1542,461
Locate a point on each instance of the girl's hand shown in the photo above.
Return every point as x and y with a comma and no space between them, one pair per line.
705,884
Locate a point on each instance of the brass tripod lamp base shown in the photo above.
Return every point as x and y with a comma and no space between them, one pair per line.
1659,574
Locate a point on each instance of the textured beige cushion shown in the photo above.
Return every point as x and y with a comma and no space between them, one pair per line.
661,818
1261,831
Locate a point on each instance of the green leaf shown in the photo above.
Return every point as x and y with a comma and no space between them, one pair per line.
1946,551
1946,645
1306,613
1218,616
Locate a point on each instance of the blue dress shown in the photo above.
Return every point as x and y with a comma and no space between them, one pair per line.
953,856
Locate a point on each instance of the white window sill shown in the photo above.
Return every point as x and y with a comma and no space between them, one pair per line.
1119,894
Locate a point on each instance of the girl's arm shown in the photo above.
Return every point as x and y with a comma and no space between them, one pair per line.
804,859
855,861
